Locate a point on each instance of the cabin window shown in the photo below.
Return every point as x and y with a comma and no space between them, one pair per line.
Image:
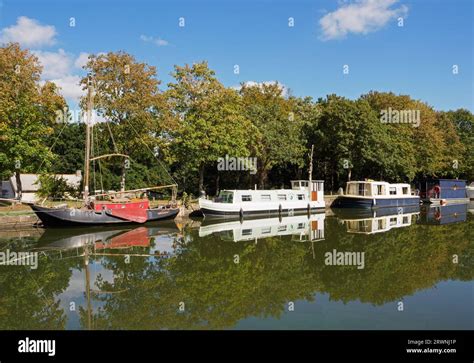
304,184
225,197
266,230
265,197
405,190
281,196
246,232
380,224
405,220
359,189
246,198
282,228
301,226
379,189
300,196
362,226
393,221
393,191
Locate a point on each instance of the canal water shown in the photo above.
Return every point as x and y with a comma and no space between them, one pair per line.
397,269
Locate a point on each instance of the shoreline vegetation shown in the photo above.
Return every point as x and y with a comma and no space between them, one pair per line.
178,133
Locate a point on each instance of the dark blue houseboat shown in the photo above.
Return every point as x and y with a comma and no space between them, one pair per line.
442,191
375,194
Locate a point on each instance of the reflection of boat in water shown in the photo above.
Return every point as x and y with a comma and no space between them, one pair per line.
380,221
101,238
155,240
357,213
444,214
301,228
470,207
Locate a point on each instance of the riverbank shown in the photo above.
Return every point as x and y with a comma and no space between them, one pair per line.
21,216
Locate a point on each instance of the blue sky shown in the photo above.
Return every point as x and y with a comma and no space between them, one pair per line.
308,58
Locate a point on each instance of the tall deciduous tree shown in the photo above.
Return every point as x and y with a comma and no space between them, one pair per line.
209,119
27,113
463,121
433,143
279,126
127,95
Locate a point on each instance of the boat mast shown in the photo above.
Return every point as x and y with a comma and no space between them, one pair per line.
311,171
88,139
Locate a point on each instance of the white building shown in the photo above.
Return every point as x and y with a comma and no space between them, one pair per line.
30,185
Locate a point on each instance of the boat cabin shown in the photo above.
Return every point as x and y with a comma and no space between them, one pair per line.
299,192
377,189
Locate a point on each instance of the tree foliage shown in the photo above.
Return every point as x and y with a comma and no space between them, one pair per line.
27,113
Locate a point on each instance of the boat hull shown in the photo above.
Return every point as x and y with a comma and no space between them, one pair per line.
208,212
59,217
157,214
373,203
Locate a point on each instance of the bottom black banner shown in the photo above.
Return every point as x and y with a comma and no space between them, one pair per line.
232,345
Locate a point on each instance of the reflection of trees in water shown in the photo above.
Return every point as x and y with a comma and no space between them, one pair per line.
218,293
145,293
397,263
28,297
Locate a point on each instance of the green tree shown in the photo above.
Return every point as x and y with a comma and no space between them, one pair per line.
209,122
279,124
431,147
69,140
127,95
27,113
463,121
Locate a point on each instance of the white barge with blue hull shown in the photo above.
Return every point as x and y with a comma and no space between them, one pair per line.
375,194
303,197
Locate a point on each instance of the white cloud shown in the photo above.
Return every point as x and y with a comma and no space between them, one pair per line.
70,88
360,17
58,68
29,33
157,41
82,60
55,64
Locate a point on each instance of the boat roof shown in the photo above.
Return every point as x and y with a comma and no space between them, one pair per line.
453,180
377,182
263,190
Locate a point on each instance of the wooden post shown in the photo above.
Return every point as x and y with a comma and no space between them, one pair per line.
88,141
311,174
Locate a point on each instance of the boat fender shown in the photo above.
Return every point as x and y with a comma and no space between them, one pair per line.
279,209
241,213
309,208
